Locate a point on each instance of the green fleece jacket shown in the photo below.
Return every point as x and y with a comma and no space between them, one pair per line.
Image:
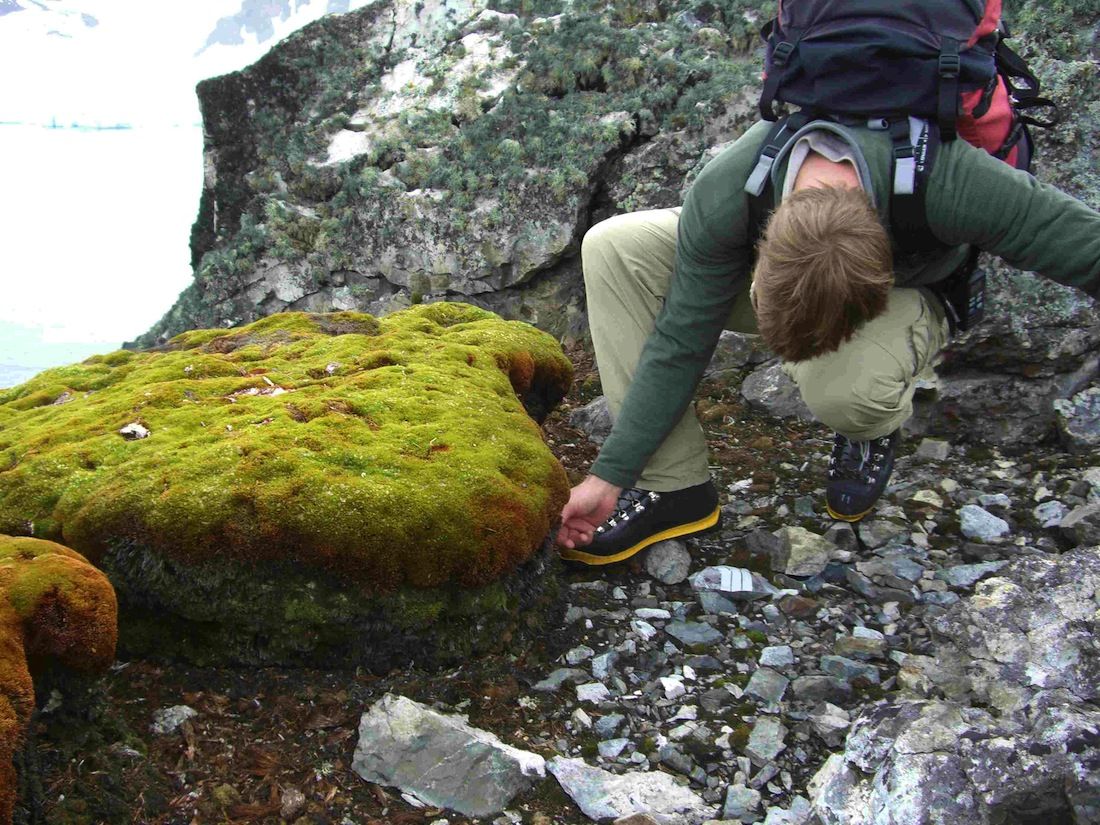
972,198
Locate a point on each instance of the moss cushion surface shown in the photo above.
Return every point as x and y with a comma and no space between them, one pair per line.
393,452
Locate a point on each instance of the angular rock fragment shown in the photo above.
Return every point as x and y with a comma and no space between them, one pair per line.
604,795
441,759
967,575
768,686
801,553
1082,526
168,720
766,741
594,420
980,525
668,561
693,633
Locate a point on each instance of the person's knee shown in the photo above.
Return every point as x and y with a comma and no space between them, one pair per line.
865,408
603,243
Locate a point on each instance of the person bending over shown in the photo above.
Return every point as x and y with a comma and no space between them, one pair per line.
854,323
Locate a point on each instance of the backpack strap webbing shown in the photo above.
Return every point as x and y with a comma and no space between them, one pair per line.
915,146
1028,93
781,54
947,112
761,195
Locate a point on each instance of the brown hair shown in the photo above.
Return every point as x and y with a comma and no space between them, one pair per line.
824,266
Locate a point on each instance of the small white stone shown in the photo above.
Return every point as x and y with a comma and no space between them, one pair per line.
673,687
134,431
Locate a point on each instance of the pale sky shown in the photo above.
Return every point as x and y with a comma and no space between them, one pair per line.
95,225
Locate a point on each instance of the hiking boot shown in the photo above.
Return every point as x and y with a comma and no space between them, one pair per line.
642,518
858,472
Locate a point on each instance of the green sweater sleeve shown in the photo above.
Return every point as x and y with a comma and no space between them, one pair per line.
976,199
713,259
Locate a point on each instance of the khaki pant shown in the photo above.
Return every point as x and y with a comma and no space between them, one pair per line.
863,390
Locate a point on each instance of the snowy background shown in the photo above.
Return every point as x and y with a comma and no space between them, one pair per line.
101,160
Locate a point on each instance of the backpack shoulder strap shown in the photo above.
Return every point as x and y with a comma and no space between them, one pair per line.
916,143
758,187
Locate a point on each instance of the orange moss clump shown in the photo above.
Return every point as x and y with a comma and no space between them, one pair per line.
56,607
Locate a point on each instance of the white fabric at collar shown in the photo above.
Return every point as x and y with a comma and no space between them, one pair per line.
828,144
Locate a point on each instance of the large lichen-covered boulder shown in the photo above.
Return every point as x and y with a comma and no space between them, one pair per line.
55,609
309,487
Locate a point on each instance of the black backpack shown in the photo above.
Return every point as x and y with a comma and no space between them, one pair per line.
927,71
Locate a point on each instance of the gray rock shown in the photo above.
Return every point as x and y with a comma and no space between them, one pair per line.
869,590
558,678
735,352
594,692
864,643
831,723
815,688
604,795
713,602
1022,646
133,431
935,763
594,420
1082,525
933,449
768,686
1079,420
881,532
669,562
978,524
168,720
603,664
607,726
945,599
1050,513
994,500
777,656
693,633
801,553
849,669
611,748
441,759
676,759
965,576
766,741
742,804
769,390
579,654
1036,345
799,813
715,699
893,570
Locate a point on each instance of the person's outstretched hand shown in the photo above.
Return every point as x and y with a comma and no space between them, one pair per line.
590,504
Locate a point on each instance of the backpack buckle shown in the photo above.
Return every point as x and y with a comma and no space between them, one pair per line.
950,66
782,53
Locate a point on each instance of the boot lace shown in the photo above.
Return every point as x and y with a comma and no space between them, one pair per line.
632,503
855,460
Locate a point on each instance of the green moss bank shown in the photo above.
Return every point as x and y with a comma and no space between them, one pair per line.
305,479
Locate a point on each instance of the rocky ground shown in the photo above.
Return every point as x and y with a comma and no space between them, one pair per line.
739,697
